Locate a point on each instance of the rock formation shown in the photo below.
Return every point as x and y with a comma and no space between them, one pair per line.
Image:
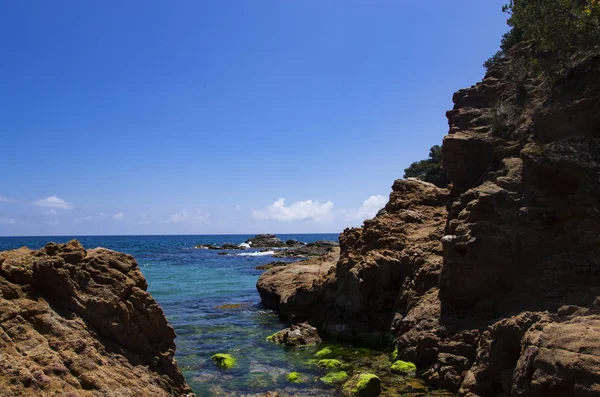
265,241
80,323
309,250
492,287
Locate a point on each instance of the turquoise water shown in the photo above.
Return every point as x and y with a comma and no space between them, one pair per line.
191,285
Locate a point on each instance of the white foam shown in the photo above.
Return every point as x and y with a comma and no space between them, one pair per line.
265,253
245,245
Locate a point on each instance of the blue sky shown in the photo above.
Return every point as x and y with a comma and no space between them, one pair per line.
160,117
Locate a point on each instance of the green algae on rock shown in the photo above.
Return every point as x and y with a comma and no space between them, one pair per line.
365,385
334,378
403,368
324,352
295,377
331,363
224,361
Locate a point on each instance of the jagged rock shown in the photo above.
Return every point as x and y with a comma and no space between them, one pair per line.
79,322
297,335
226,246
316,248
265,241
490,289
271,265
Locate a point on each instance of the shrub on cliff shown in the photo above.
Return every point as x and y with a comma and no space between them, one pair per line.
429,170
558,29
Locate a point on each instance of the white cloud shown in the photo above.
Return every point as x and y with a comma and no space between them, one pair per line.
52,212
82,219
370,207
144,220
7,200
238,206
119,216
300,210
7,221
185,216
53,202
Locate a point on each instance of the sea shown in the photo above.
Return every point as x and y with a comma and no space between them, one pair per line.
212,302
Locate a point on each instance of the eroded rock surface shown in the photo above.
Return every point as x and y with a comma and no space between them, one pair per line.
290,289
492,287
301,334
80,323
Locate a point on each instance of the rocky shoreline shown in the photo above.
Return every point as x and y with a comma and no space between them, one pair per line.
490,287
79,322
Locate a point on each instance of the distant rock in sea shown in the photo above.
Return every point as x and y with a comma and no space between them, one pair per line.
316,248
265,241
76,322
226,246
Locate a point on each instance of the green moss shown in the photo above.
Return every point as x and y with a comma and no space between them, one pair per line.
334,378
295,377
271,338
403,367
331,363
367,385
224,361
324,352
395,354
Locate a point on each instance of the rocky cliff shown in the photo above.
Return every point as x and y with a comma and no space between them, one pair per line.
490,287
80,323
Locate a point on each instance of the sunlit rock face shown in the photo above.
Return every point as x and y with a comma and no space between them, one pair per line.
79,322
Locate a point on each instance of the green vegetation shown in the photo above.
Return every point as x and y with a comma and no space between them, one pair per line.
224,361
429,170
395,353
331,363
334,378
271,338
295,377
403,368
324,352
556,29
367,385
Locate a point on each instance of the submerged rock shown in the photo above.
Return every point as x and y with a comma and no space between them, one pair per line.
334,378
224,361
363,385
76,321
331,363
297,335
403,368
295,377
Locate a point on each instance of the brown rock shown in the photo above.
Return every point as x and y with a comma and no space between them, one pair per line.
297,335
289,289
490,289
77,322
